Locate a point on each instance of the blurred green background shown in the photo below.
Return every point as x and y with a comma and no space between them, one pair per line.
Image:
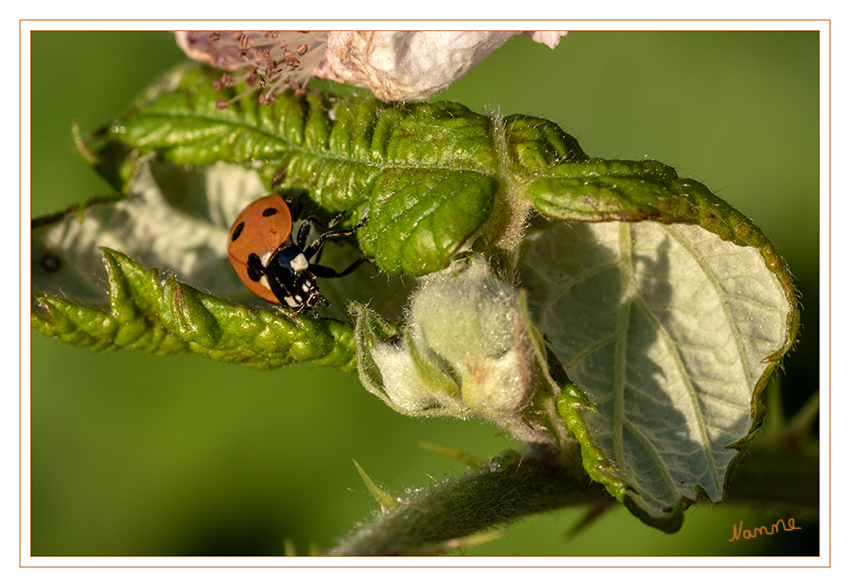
134,455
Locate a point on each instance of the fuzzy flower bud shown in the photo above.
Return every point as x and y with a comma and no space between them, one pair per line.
466,351
472,321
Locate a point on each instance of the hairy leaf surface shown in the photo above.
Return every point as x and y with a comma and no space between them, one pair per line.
671,332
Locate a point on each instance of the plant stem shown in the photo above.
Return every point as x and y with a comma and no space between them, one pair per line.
508,488
498,493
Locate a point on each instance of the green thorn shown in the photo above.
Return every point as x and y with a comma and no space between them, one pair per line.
289,547
451,544
384,499
591,515
467,458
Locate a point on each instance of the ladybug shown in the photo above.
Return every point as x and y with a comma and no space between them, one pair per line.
271,265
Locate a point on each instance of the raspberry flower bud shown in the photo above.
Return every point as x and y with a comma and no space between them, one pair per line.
467,351
471,320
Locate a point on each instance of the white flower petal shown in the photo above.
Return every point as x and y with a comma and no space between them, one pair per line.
405,65
548,38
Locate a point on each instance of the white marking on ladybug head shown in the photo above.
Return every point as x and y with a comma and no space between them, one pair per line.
290,302
264,281
299,263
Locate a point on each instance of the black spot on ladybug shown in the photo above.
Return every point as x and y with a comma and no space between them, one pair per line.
237,231
50,262
269,212
255,267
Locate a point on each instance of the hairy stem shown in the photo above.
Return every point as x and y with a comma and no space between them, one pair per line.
497,493
508,488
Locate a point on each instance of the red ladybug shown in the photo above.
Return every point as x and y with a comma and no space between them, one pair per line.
271,265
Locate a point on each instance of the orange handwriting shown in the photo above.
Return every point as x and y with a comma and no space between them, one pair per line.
738,531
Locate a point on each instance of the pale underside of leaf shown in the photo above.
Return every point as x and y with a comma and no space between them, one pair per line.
173,219
666,329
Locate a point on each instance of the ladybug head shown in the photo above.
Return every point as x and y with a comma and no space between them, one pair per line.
291,280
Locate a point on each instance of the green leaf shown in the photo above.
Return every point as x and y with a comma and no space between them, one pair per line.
152,317
428,172
671,331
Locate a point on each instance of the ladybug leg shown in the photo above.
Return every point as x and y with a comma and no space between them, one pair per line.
317,244
334,220
304,233
308,223
326,272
